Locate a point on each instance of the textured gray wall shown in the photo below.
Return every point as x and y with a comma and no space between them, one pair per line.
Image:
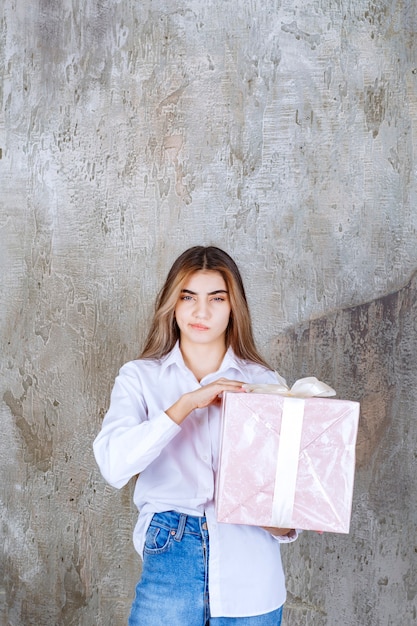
284,132
369,577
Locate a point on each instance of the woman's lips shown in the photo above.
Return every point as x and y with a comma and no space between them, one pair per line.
199,327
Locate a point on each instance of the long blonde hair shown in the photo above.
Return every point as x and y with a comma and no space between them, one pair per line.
164,331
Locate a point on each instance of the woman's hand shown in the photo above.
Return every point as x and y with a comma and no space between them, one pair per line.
278,532
211,393
201,398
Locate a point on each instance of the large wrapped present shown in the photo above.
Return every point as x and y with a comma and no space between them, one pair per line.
287,461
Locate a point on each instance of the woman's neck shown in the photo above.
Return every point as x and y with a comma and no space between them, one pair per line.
202,359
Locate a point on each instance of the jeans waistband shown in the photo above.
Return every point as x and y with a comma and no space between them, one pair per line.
181,523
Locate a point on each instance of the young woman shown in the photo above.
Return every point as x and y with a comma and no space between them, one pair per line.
163,424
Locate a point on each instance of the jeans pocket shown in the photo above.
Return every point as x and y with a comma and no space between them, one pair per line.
157,539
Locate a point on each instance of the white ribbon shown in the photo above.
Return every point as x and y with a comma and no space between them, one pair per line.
303,388
287,462
290,439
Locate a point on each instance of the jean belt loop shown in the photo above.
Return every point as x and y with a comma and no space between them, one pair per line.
181,526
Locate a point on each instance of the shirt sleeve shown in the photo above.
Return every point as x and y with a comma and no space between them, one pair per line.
130,439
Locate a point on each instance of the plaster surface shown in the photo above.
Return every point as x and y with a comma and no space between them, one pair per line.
282,131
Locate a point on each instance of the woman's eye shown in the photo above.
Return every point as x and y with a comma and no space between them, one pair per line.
186,298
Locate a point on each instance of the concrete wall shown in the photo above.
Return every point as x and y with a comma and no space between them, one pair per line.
370,576
284,132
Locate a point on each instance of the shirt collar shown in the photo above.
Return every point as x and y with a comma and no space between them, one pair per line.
175,358
172,358
231,361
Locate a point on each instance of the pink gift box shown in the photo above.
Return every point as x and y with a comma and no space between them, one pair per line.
287,462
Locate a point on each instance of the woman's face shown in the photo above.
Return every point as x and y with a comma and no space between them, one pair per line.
203,309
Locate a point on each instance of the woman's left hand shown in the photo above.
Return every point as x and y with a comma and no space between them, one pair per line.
278,532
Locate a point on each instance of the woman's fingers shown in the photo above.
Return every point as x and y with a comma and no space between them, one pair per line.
278,532
210,393
201,398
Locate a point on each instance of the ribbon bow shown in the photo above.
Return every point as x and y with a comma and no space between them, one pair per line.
303,388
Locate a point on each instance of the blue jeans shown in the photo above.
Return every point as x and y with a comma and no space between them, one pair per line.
173,589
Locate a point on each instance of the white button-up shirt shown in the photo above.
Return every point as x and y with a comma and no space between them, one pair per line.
177,470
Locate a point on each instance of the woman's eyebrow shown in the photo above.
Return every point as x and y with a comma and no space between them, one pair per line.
211,293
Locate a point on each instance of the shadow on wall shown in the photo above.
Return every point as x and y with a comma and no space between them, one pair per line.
367,353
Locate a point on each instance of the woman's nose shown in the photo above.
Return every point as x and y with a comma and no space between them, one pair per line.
201,310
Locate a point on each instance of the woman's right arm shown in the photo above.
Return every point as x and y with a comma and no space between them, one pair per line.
128,440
